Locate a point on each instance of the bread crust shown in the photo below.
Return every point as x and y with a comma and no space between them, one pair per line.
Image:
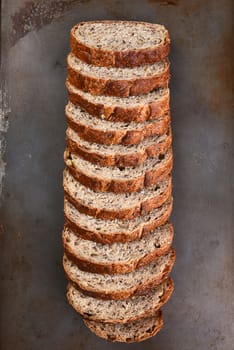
121,136
141,208
147,313
105,238
139,113
120,159
111,58
116,268
134,291
98,184
101,333
114,87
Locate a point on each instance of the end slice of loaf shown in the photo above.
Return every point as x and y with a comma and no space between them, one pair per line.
119,43
108,205
101,131
131,332
119,180
120,311
118,155
117,257
133,108
120,286
121,82
116,230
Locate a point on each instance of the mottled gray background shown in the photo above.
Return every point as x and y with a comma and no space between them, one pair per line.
35,42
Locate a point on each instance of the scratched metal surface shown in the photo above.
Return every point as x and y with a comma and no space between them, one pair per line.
34,312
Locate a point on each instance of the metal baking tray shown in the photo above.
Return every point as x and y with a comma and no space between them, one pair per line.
35,42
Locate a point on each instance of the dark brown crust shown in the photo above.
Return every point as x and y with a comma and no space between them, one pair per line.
109,58
121,136
121,87
97,184
105,238
120,159
139,113
147,313
134,291
157,327
115,268
141,208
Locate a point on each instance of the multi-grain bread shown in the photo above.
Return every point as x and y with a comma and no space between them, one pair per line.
121,82
119,180
123,109
120,286
118,155
116,230
117,257
131,332
120,311
119,43
101,131
108,205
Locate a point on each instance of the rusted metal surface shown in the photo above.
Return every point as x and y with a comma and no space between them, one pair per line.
34,312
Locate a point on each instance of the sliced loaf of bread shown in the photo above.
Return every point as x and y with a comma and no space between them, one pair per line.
116,257
120,286
125,109
119,43
108,205
118,155
119,180
116,230
102,131
120,311
120,82
131,332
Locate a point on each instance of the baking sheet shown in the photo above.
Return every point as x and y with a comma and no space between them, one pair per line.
35,42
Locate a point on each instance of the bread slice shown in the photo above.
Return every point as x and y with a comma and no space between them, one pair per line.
116,230
101,131
108,205
120,311
116,257
119,43
118,155
121,82
122,109
119,180
120,286
131,332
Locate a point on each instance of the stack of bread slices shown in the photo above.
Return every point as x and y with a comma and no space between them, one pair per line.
117,236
